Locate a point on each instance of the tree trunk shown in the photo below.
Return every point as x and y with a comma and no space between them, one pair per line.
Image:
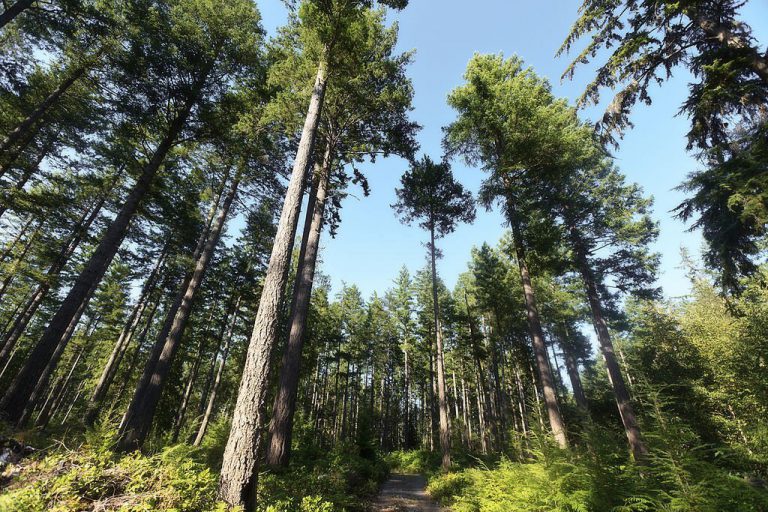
281,428
12,245
14,10
445,427
141,410
68,249
237,483
626,411
9,147
217,380
539,347
13,270
123,341
18,394
178,422
572,366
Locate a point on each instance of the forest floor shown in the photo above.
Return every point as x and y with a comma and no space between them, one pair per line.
405,493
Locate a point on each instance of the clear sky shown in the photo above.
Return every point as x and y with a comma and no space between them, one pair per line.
371,244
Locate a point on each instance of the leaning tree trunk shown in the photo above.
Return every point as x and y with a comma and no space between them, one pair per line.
170,313
141,411
18,394
42,383
217,380
237,484
281,428
14,268
539,346
626,411
181,414
10,147
445,427
20,323
122,343
572,366
14,10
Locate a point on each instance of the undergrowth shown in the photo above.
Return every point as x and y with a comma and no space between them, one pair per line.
179,478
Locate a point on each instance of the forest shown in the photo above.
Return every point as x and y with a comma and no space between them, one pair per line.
173,336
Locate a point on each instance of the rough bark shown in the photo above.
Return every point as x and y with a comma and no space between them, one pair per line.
281,428
445,427
18,394
141,411
623,402
237,483
539,347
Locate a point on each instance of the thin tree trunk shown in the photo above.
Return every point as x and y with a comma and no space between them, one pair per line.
12,245
238,480
572,366
141,411
45,415
123,342
18,394
42,382
178,422
217,380
445,426
20,137
281,428
14,10
21,322
539,347
13,271
626,411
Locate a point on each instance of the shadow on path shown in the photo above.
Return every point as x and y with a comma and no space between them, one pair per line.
405,493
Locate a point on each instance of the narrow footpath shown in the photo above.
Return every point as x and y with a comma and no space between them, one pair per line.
405,493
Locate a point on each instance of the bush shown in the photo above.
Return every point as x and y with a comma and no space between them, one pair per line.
94,478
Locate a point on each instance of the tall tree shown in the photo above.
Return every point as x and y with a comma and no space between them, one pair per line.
364,114
431,196
647,41
328,30
510,123
201,72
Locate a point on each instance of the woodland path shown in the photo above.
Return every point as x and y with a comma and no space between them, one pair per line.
405,493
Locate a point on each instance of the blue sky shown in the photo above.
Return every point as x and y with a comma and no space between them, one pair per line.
371,244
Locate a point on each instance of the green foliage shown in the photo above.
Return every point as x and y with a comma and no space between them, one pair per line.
335,481
93,476
413,461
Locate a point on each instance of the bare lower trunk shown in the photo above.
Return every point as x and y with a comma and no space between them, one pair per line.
217,380
626,411
20,323
123,341
141,411
238,480
18,394
181,413
539,347
572,366
445,427
281,428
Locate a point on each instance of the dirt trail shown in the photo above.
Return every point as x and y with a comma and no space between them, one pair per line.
405,493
